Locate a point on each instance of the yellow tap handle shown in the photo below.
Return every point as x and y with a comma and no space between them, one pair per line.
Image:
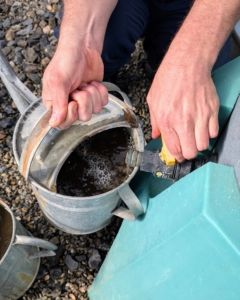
166,156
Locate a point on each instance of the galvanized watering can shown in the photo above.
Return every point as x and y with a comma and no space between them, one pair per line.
19,255
40,152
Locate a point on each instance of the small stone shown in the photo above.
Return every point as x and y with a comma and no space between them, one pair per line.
8,109
11,43
14,106
6,50
45,62
55,273
72,296
12,64
18,58
3,43
83,289
16,27
46,278
40,12
55,240
95,260
2,135
22,43
52,22
34,77
8,122
2,169
80,258
31,55
55,8
2,34
3,92
31,14
6,8
49,7
44,41
71,263
42,23
26,30
9,35
47,29
49,51
6,23
27,22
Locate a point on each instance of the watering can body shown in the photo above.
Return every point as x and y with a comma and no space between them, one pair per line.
40,152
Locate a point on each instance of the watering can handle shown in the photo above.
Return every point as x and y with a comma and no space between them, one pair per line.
114,88
32,241
133,203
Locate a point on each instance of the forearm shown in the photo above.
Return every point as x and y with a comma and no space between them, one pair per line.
205,30
85,21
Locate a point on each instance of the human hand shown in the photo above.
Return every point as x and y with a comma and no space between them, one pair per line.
183,106
74,74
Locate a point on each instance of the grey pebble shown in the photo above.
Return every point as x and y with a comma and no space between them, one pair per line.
71,263
2,34
25,31
8,109
3,92
95,260
8,122
80,258
6,23
55,273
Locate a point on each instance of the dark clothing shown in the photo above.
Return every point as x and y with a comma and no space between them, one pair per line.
155,20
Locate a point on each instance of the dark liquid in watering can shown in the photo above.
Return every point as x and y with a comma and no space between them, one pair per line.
97,165
6,228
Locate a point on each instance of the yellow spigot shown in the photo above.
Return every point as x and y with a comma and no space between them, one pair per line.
166,156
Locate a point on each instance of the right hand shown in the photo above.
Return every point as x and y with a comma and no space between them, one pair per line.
73,74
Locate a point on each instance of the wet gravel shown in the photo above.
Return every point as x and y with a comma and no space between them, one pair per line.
26,38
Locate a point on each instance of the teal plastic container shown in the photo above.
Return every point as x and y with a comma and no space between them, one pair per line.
187,244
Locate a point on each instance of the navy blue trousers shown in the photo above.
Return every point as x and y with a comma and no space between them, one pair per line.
155,20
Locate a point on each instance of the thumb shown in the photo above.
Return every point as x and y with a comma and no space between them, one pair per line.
57,99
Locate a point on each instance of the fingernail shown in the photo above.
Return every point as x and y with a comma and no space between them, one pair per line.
83,84
54,118
94,83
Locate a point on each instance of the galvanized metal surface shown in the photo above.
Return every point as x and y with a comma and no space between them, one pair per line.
20,263
20,94
40,152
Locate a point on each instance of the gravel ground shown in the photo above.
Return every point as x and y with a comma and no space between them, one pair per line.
26,38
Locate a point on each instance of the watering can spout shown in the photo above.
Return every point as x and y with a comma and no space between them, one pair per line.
20,94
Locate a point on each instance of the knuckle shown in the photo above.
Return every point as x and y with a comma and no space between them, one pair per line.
203,146
190,154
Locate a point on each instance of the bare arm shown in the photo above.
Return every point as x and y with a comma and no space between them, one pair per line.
77,67
182,100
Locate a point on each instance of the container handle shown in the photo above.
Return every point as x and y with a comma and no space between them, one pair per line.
133,203
32,241
114,88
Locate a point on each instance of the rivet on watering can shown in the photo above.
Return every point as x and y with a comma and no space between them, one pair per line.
158,174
